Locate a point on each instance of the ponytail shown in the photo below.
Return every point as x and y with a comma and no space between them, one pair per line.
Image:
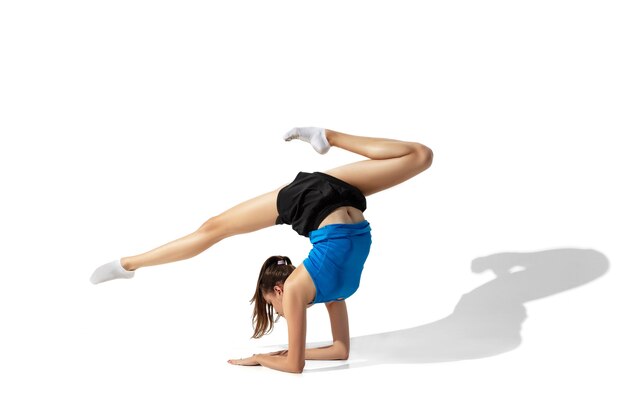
275,270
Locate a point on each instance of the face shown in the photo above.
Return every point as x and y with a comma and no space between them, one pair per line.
275,298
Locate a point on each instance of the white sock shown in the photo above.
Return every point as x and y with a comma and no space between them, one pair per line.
316,136
112,270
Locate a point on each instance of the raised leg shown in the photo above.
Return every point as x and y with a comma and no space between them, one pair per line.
390,162
251,215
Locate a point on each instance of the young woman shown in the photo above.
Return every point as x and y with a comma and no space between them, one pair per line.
327,207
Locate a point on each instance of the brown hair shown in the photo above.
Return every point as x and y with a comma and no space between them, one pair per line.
272,273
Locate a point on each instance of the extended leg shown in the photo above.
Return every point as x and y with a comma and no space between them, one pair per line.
251,215
391,161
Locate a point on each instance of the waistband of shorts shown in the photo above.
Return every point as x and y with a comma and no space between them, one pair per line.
339,230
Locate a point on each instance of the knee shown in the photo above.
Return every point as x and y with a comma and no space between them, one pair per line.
427,156
423,156
215,227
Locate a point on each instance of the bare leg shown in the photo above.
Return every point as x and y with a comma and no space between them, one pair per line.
391,161
251,215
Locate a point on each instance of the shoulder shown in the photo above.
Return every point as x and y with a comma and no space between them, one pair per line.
299,287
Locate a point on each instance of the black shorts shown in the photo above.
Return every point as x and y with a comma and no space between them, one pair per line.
310,197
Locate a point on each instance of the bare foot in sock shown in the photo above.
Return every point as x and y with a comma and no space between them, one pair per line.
316,136
109,271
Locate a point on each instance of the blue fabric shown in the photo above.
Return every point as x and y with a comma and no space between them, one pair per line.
336,261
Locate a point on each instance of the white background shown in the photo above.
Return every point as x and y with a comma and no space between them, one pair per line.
127,124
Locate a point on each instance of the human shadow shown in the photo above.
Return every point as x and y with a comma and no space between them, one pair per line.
488,320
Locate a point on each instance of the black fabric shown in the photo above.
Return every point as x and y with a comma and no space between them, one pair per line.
310,197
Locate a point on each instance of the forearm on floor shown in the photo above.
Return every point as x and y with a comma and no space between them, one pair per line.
335,351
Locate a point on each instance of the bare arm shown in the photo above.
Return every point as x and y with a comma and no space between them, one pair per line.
294,305
340,349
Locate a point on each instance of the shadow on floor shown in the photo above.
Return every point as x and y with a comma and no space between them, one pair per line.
488,320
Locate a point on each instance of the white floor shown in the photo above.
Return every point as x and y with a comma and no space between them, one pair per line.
495,284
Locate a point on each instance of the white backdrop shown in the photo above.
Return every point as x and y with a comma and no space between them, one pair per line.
127,124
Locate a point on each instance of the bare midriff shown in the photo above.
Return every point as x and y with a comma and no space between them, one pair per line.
343,215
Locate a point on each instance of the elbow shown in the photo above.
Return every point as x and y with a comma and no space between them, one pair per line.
297,368
343,353
295,365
